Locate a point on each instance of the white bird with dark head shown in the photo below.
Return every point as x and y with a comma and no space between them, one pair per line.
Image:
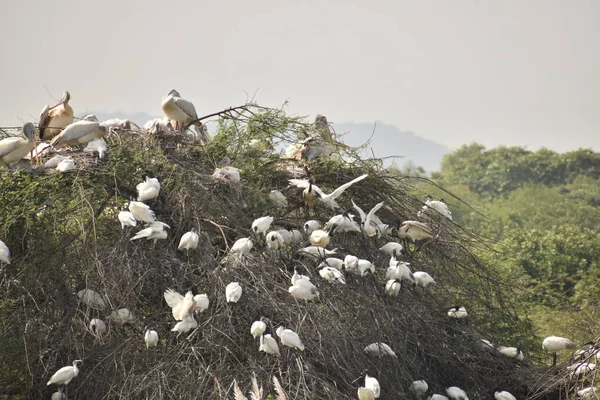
98,327
149,189
311,225
456,393
13,149
188,241
438,207
391,248
258,328
554,344
4,253
151,338
458,312
289,338
327,199
274,240
392,287
512,352
419,388
154,231
242,246
269,345
333,262
65,375
181,306
373,384
316,252
367,226
141,212
303,292
233,292
261,225
332,274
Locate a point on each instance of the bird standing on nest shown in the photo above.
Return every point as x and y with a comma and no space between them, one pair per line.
182,112
13,149
54,119
80,132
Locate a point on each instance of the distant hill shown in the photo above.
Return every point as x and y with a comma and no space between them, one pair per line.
388,140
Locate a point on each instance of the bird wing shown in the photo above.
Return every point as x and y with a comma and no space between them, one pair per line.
45,118
338,192
74,131
173,298
9,145
360,211
373,211
186,106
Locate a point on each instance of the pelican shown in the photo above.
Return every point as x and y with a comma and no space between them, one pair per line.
311,225
457,312
456,393
97,146
319,238
92,299
392,287
504,395
151,338
423,278
65,375
181,306
182,112
261,225
391,248
98,327
555,344
258,328
80,132
278,198
327,199
332,274
289,338
274,240
122,316
127,219
4,253
13,149
269,345
233,292
66,165
185,325
202,302
148,189
415,230
155,231
373,384
54,119
366,219
189,240
418,388
379,349
365,394
512,352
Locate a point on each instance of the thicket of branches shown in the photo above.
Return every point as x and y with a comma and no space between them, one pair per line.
64,236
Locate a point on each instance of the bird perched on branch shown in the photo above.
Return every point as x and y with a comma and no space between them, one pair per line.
182,112
13,149
54,119
80,132
63,376
555,344
327,199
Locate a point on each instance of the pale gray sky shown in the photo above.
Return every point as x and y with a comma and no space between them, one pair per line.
514,72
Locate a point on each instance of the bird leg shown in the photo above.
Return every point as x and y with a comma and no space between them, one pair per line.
554,359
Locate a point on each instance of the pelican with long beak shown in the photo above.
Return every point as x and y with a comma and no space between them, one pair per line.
182,112
14,149
80,132
54,119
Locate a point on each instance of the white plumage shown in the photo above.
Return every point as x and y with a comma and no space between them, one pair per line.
59,395
97,146
97,327
373,384
278,198
332,274
151,338
149,189
589,392
302,281
512,352
368,228
333,262
391,248
261,225
274,240
180,111
392,287
202,302
13,149
319,238
504,395
327,199
342,223
351,263
311,225
181,306
289,338
365,394
579,369
258,328
80,132
415,230
269,345
437,397
185,325
122,316
317,252
456,393
400,270
126,219
554,344
230,174
438,207
233,292
66,165
242,246
379,349
303,293
64,375
423,278
141,212
4,253
91,299
188,241
154,231
419,388
458,312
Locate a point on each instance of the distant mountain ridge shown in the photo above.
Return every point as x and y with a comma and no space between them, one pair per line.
386,141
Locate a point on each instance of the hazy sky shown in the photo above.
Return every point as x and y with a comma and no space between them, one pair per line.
514,72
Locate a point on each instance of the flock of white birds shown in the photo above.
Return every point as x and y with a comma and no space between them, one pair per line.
56,124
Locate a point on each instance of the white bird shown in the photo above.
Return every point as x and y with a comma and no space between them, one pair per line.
141,212
202,302
487,343
80,132
554,344
512,352
126,218
13,149
149,189
64,375
415,230
579,369
419,388
332,274
437,397
367,227
54,119
122,316
118,123
181,112
319,238
458,312
316,252
151,338
274,240
233,292
289,338
379,349
391,248
439,207
303,292
59,395
258,328
54,161
311,225
400,270
230,174
37,150
185,325
269,345
351,263
423,278
158,125
373,384
261,225
589,392
456,393
97,327
97,146
189,240
66,165
342,223
181,306
278,198
242,246
4,253
364,267
302,281
154,231
92,299
504,395
333,262
392,287
365,394
328,199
